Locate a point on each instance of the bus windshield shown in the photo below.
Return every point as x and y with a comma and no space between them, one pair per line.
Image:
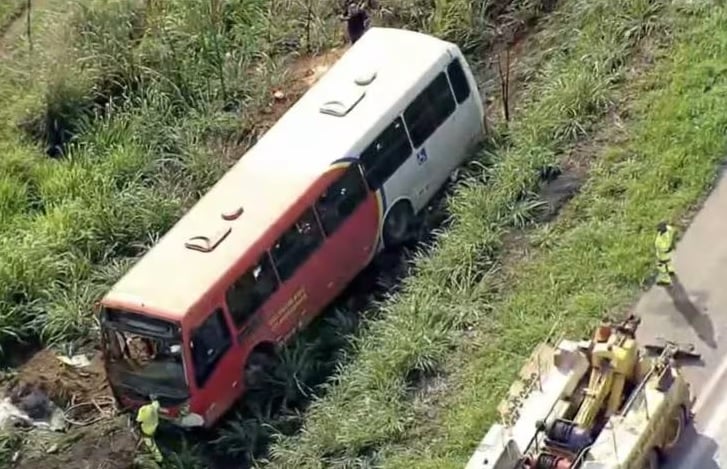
144,357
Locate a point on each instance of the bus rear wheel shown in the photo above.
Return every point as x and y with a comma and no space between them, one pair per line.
259,368
399,225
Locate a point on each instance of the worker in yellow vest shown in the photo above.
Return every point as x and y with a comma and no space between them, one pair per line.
148,419
664,244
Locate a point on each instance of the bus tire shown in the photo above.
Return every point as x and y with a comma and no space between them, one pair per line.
260,365
399,224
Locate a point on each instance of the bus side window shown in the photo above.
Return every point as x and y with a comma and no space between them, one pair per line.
386,154
429,110
210,341
296,245
340,199
251,290
458,80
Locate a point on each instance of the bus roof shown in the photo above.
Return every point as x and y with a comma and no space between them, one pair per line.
280,167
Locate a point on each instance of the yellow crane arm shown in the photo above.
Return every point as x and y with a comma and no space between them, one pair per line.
612,363
599,386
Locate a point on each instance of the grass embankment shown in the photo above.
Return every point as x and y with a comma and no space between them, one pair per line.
596,258
592,260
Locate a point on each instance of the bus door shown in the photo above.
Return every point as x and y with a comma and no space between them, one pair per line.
389,164
251,298
432,128
217,372
467,119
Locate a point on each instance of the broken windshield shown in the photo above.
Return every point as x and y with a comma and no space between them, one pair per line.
144,357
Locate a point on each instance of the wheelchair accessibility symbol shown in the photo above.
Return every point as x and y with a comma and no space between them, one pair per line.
422,156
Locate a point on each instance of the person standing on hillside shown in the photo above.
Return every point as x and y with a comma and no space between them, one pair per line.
664,244
357,18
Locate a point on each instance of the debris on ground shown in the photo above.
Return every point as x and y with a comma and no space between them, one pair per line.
66,384
78,361
30,407
109,444
71,396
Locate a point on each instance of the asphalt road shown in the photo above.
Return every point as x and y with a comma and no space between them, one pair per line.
695,311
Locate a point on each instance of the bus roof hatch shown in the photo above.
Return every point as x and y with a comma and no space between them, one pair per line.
365,78
205,243
348,97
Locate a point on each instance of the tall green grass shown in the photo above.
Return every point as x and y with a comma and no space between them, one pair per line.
369,403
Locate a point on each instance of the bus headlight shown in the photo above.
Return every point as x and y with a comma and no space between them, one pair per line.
187,418
191,420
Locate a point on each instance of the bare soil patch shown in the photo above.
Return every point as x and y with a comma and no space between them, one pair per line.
95,438
304,72
105,445
64,384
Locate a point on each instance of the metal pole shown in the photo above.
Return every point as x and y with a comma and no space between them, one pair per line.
30,37
613,437
308,21
540,382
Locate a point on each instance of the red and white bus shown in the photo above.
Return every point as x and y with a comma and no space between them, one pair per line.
341,175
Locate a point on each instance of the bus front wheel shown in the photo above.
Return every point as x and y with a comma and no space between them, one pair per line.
399,224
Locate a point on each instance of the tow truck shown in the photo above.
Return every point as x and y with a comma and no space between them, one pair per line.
603,403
